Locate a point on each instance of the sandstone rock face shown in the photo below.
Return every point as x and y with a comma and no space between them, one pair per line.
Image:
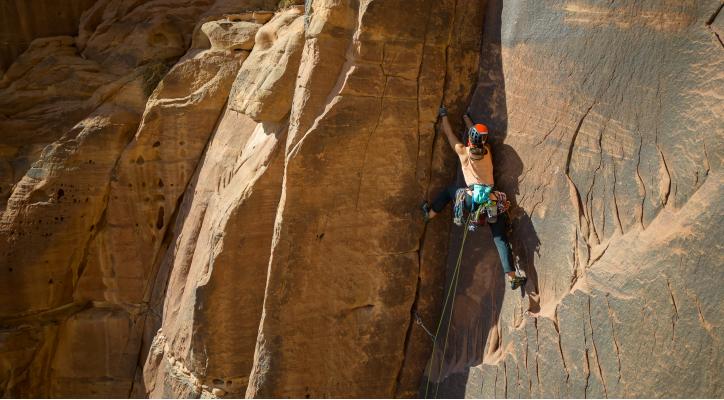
244,210
221,199
611,145
97,143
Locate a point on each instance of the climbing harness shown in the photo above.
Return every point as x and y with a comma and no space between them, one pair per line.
482,207
451,291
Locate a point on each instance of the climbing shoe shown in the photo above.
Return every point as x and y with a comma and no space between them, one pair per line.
517,281
425,211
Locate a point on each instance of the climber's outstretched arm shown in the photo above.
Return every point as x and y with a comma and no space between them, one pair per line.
455,143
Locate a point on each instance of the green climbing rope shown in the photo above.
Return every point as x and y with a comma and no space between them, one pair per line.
451,291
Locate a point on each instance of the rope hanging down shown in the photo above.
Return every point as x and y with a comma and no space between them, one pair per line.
450,292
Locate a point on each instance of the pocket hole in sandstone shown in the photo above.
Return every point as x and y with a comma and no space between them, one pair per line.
320,236
38,196
218,382
235,19
61,193
159,218
140,160
50,281
159,39
160,182
156,144
182,143
237,50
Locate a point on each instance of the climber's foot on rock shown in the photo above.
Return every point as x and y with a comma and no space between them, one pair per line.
427,212
517,281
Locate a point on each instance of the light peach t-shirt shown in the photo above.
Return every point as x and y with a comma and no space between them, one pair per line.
477,171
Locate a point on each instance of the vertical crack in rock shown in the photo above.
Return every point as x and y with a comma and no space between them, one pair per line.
537,361
597,238
665,180
711,20
569,156
615,199
642,205
413,306
495,384
372,131
595,349
675,315
505,380
560,345
613,334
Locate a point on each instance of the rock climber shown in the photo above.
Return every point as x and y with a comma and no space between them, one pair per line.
476,159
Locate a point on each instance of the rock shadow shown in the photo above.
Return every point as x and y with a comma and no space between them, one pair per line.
522,236
482,286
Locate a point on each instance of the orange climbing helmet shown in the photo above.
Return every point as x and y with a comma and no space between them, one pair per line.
477,135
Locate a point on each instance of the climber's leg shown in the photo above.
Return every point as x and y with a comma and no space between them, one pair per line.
442,199
501,243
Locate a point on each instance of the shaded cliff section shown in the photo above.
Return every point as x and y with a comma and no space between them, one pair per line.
23,21
607,127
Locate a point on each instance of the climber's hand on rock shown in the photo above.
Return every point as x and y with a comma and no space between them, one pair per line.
442,112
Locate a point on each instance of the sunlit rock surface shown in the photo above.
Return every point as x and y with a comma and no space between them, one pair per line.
221,198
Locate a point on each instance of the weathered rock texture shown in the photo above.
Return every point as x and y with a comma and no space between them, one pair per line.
610,137
93,166
220,198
